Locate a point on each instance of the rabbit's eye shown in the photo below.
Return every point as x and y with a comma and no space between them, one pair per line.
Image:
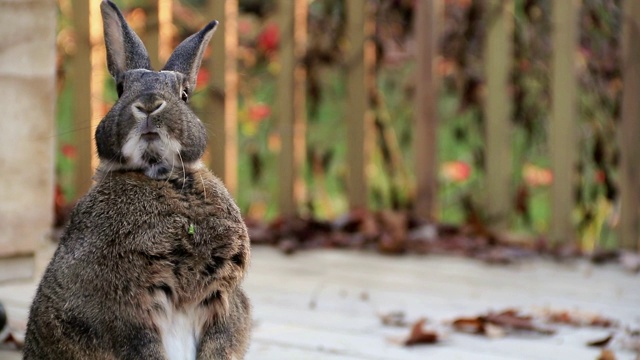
120,89
185,96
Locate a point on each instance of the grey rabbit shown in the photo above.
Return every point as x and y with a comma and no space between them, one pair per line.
151,263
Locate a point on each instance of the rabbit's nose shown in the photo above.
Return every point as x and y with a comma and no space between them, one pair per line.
149,107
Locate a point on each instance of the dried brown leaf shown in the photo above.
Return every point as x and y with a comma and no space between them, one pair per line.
498,324
469,325
419,335
606,354
13,342
601,342
510,319
577,318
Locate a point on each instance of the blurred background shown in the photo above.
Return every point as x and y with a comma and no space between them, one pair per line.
510,120
493,129
446,110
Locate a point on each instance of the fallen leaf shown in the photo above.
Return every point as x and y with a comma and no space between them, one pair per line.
469,325
498,324
13,342
420,336
601,342
578,318
511,319
606,354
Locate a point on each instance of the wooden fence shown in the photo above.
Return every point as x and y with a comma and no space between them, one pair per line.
360,62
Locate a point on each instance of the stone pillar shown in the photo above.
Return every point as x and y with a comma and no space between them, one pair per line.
27,135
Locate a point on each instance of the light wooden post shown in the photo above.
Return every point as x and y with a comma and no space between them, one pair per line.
159,31
98,74
291,103
630,128
426,29
87,79
498,58
27,103
360,79
563,128
222,106
81,84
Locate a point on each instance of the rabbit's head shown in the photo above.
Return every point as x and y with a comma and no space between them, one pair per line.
150,128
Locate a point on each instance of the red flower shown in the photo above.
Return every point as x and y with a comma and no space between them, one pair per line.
69,151
58,197
259,112
536,176
202,79
269,39
455,171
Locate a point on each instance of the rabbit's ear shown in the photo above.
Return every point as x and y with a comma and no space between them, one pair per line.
125,50
187,56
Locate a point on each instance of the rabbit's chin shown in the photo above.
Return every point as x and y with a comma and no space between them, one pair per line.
158,157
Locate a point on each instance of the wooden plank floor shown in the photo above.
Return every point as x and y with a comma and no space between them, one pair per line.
325,304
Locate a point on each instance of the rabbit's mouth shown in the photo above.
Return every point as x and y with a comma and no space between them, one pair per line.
149,131
150,136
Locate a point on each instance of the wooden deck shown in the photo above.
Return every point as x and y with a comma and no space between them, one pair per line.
326,305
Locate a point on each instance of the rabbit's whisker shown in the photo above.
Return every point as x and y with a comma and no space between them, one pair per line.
204,188
184,171
173,165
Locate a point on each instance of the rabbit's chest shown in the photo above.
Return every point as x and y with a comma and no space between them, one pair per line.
180,329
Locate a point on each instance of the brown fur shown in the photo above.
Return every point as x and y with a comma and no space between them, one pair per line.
157,250
128,238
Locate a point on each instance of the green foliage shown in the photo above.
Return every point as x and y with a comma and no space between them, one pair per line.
460,138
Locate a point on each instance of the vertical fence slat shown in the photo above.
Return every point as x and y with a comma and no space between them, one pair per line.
630,128
81,83
361,61
158,31
563,125
222,107
426,29
291,103
98,71
498,57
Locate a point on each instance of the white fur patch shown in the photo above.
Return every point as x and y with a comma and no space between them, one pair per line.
180,329
166,148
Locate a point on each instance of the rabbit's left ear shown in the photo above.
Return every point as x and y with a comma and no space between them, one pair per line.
186,58
125,50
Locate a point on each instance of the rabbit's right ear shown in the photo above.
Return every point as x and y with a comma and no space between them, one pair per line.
125,50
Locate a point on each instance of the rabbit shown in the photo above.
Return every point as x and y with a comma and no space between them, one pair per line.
151,263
